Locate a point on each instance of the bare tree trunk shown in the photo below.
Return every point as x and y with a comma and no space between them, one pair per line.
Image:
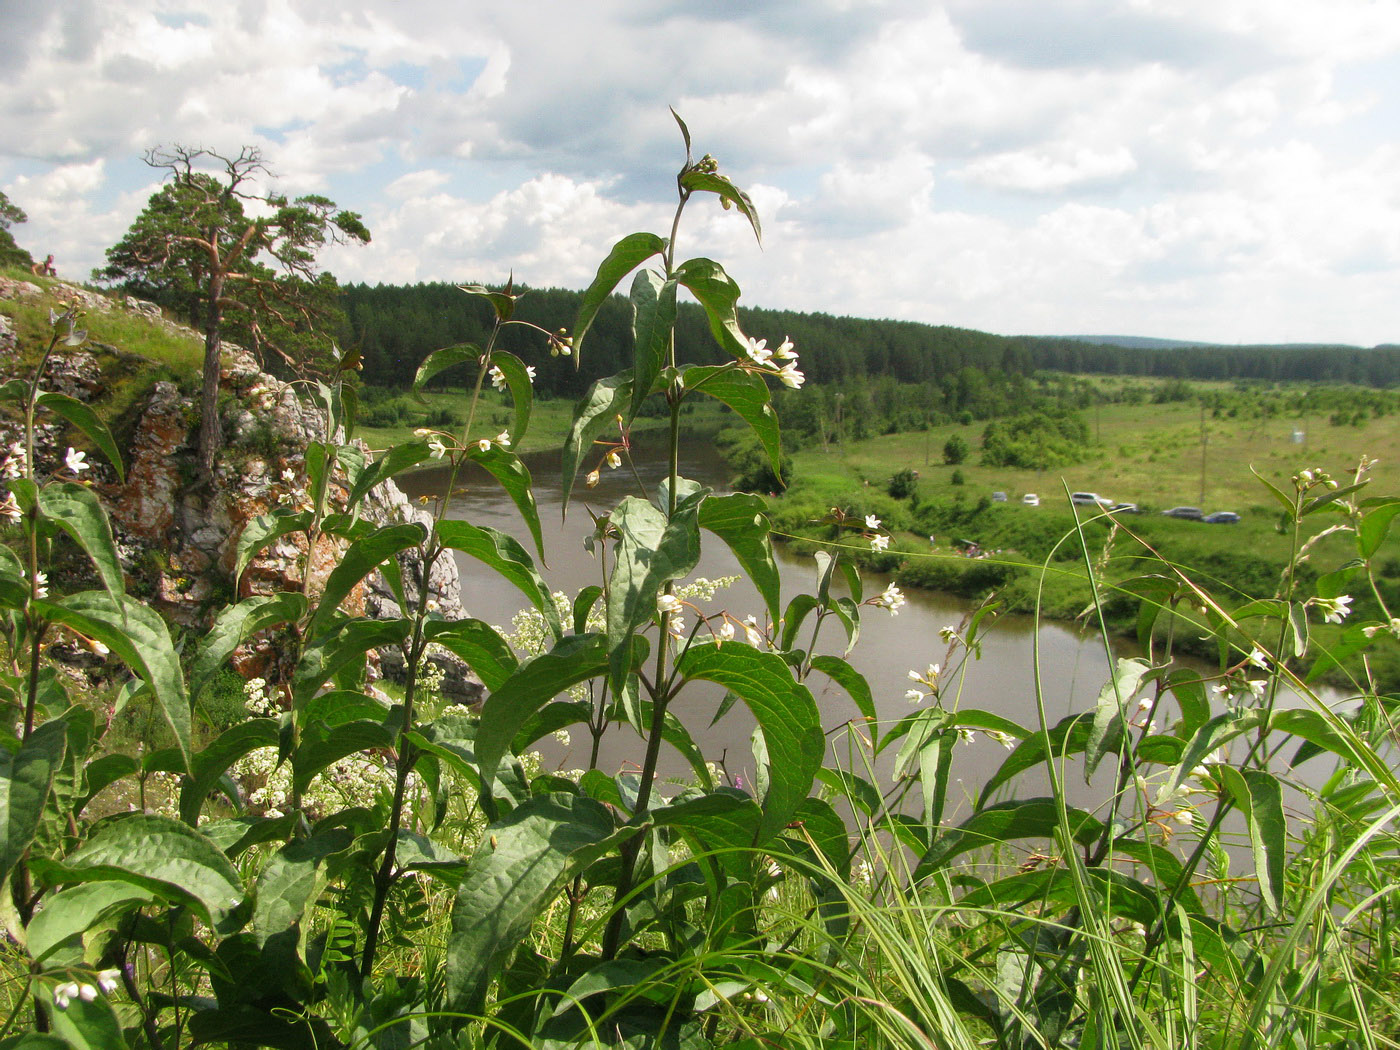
211,433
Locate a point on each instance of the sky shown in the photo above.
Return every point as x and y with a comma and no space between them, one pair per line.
1217,170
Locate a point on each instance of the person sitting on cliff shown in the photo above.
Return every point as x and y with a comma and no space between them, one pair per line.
44,269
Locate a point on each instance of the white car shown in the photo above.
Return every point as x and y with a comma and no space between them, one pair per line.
1030,499
1090,499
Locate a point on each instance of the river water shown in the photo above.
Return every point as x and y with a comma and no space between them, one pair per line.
1073,666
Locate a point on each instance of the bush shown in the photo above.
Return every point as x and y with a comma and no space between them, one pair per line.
904,485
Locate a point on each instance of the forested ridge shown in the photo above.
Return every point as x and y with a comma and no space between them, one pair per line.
396,326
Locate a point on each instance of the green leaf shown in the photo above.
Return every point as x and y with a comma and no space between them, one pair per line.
89,1025
214,760
605,400
514,874
849,679
504,554
360,559
1005,822
1376,517
76,510
510,470
744,392
1260,797
522,392
452,738
477,643
626,255
234,625
741,521
85,419
651,551
1109,730
575,658
718,294
321,660
1219,730
440,360
139,637
713,182
583,605
724,824
68,914
321,745
1067,737
390,462
786,714
653,323
26,775
264,529
320,460
290,883
163,855
503,302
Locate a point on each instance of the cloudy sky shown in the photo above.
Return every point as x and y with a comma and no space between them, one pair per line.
1225,170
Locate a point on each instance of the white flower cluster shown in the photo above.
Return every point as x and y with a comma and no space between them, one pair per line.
928,680
892,599
763,360
65,993
1334,610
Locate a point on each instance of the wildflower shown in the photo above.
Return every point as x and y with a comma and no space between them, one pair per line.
968,735
751,634
87,993
107,980
41,584
879,543
1334,610
914,676
530,373
498,378
872,522
436,447
98,648
892,598
592,480
1185,817
931,675
759,352
422,432
1006,740
1393,627
790,377
949,634
503,439
677,625
484,444
1257,659
914,696
9,509
614,460
65,994
667,604
726,631
785,351
16,460
289,476
1256,686
74,461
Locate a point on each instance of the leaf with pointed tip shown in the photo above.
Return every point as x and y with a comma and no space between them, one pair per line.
849,679
166,856
265,528
69,913
85,419
718,294
214,760
1110,713
1259,796
504,554
626,255
1005,822
478,644
440,360
321,660
360,559
322,745
1066,737
731,195
234,625
140,638
510,470
389,463
786,714
292,880
522,392
724,823
747,394
516,871
26,774
76,510
1376,516
741,521
1219,730
653,302
604,401
452,739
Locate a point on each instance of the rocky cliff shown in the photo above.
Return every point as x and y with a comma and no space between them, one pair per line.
177,538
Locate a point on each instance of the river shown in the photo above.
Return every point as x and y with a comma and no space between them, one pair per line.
1073,665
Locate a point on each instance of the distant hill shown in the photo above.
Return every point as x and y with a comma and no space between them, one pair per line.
1131,342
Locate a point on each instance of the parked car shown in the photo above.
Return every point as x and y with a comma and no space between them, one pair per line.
1090,498
1030,499
1125,508
998,497
1221,517
1191,513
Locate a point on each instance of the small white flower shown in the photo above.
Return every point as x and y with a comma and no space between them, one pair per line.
667,603
758,351
872,522
785,351
484,444
74,461
614,460
87,993
592,480
914,676
1334,610
498,378
65,994
41,584
107,980
931,675
1184,817
1006,740
422,432
751,633
436,447
16,460
503,439
98,648
968,735
726,631
1256,686
949,634
9,509
879,543
289,476
892,598
530,372
432,605
914,696
1257,659
790,377
677,625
